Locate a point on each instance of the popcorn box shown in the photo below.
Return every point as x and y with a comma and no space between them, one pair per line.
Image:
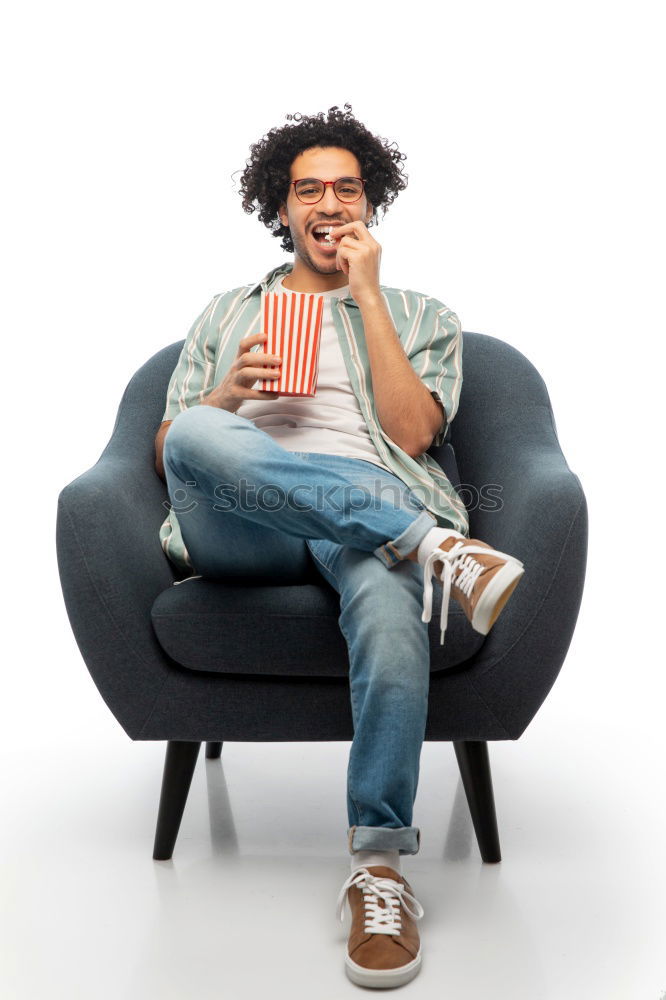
293,322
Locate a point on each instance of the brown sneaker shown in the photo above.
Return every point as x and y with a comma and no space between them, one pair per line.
383,947
481,579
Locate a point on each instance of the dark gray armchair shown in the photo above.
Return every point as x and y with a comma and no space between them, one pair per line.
186,663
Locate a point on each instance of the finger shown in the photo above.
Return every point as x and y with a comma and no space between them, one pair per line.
348,241
355,230
343,255
253,338
252,374
259,358
347,228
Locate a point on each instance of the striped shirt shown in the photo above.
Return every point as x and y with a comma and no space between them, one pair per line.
429,332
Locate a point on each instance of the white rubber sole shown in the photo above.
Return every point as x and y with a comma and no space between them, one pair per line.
496,594
381,978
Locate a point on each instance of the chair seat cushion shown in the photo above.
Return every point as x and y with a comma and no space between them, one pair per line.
246,628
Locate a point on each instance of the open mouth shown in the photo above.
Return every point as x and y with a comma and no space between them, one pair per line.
321,239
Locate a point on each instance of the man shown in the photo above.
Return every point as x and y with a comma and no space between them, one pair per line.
390,374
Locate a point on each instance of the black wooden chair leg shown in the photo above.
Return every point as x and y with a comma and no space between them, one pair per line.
179,763
474,768
213,751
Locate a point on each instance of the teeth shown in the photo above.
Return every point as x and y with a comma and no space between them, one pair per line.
327,230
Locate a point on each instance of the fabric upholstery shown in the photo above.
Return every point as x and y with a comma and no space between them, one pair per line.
118,583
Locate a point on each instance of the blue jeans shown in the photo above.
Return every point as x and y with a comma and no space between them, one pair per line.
355,521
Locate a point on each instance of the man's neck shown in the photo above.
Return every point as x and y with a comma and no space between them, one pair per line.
302,279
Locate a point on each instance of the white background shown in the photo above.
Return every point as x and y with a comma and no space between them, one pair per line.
535,210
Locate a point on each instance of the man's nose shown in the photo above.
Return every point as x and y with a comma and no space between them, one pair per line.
331,201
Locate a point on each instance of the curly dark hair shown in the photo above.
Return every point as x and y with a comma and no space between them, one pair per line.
265,180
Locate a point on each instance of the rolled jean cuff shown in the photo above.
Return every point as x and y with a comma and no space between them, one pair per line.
403,839
392,552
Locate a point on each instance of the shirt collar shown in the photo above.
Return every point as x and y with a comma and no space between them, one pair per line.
271,278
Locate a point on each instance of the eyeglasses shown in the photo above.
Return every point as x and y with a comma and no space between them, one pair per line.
309,190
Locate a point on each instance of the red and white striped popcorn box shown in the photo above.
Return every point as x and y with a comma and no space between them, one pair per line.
293,322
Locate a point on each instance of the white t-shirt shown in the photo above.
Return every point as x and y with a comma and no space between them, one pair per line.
331,422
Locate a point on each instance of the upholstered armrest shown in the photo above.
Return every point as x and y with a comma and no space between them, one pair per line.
522,499
112,567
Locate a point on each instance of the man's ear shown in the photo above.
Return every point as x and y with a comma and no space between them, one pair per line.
370,211
282,211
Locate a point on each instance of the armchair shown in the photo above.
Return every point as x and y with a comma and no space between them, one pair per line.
185,664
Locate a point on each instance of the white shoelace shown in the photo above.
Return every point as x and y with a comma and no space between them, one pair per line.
458,555
379,919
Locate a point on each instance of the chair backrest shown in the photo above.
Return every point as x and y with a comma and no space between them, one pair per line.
141,409
500,389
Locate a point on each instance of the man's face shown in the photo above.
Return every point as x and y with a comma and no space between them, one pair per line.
326,164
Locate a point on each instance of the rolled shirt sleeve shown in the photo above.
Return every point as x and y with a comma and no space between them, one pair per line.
436,357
